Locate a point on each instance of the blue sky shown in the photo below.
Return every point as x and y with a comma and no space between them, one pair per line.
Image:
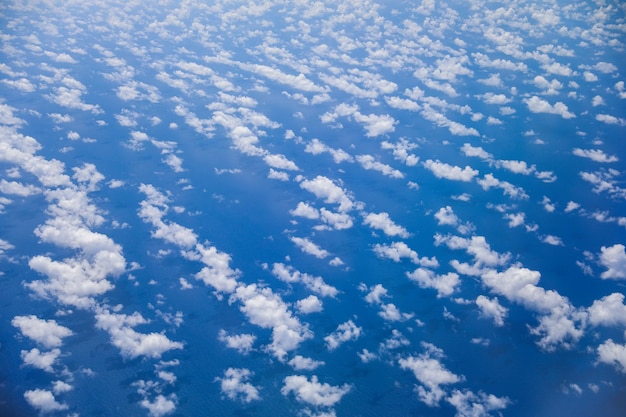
312,208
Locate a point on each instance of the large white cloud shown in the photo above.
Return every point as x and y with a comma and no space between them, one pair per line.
382,221
450,172
234,384
613,258
312,391
345,332
44,401
45,332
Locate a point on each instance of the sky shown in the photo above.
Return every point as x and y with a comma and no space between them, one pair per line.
299,208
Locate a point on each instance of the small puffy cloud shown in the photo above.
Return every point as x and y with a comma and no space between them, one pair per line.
234,384
277,175
381,221
327,190
160,406
287,273
40,360
241,342
313,392
450,172
613,258
431,374
475,151
610,119
345,332
538,105
309,247
44,401
596,155
552,240
491,308
306,211
445,216
396,251
613,353
608,311
45,332
368,162
444,284
299,363
469,404
310,304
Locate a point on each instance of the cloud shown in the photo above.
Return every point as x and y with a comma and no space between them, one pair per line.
316,284
491,308
445,284
234,384
306,211
130,342
450,172
266,309
469,404
610,119
368,162
613,258
401,150
309,247
310,304
240,342
299,363
345,332
160,406
313,392
431,374
613,353
217,271
44,401
45,332
381,221
538,105
40,360
608,311
596,155
324,188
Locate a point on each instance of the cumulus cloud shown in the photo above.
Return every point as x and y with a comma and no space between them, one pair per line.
596,155
160,405
368,162
324,188
309,247
431,374
310,304
539,105
299,363
234,384
450,172
613,258
47,333
491,308
613,353
316,284
312,391
44,401
345,332
241,342
40,360
445,284
382,221
608,311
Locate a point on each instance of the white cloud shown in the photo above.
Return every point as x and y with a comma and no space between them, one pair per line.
317,285
444,284
538,105
491,308
381,221
326,189
596,155
469,404
40,360
299,363
310,304
613,353
396,251
445,216
431,374
130,342
277,175
613,258
610,119
45,332
552,240
475,151
450,172
241,342
160,406
608,311
306,211
44,401
345,332
234,384
368,162
309,247
313,392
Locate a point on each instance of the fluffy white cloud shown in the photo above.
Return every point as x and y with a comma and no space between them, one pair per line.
160,406
310,304
44,401
306,211
40,360
327,190
234,384
608,311
382,221
130,342
345,332
613,353
431,374
45,332
368,162
241,342
469,404
313,392
596,155
299,363
217,271
316,284
396,251
445,216
445,284
450,172
491,308
538,105
309,247
613,258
